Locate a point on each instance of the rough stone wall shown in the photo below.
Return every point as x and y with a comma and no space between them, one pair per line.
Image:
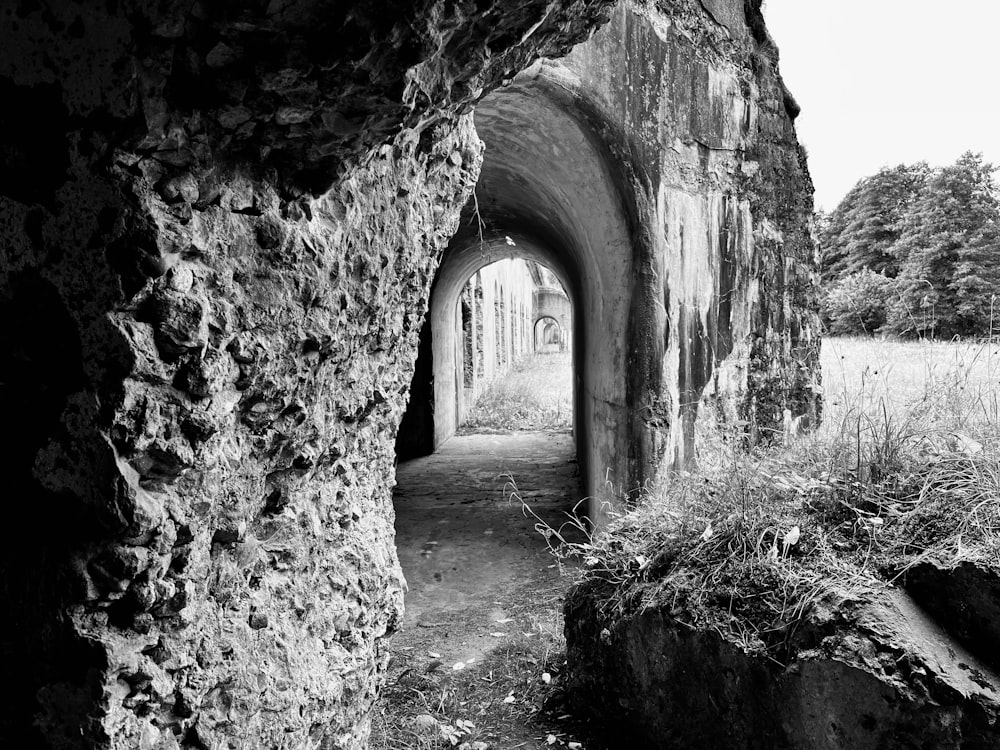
725,299
204,365
238,467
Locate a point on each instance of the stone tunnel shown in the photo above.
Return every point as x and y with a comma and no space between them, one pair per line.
553,321
462,353
223,228
648,230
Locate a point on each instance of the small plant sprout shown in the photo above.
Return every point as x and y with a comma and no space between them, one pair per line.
790,540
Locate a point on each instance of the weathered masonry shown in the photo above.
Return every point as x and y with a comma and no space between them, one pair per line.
219,228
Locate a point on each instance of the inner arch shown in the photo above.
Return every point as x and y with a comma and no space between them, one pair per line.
548,335
549,183
459,265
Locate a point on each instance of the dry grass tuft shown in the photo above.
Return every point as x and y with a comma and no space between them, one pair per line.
535,395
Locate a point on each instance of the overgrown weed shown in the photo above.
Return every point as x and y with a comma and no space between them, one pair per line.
535,395
905,468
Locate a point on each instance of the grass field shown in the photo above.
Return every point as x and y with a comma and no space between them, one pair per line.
946,385
536,395
935,385
904,403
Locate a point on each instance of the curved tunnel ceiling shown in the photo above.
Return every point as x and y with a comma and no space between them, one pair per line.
546,178
463,261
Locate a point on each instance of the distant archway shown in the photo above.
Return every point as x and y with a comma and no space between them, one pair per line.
496,305
549,335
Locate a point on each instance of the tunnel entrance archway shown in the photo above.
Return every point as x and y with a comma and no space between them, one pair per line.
460,265
550,191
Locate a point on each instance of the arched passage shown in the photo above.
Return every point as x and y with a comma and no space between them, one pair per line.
493,334
549,191
549,335
459,266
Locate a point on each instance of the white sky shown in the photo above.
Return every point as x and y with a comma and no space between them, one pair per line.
885,82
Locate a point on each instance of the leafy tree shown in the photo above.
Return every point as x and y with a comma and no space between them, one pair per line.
857,303
977,280
831,228
821,222
866,226
949,249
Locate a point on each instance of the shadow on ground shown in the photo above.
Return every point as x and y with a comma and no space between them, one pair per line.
479,656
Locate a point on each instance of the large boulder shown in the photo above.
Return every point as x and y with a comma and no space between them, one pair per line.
871,674
777,603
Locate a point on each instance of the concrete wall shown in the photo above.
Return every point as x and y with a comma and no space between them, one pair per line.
655,170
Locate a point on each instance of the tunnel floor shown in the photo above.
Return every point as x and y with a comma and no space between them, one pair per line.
480,576
468,551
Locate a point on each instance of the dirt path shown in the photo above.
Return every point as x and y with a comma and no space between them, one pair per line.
483,610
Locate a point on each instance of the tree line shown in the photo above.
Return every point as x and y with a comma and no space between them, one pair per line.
915,252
